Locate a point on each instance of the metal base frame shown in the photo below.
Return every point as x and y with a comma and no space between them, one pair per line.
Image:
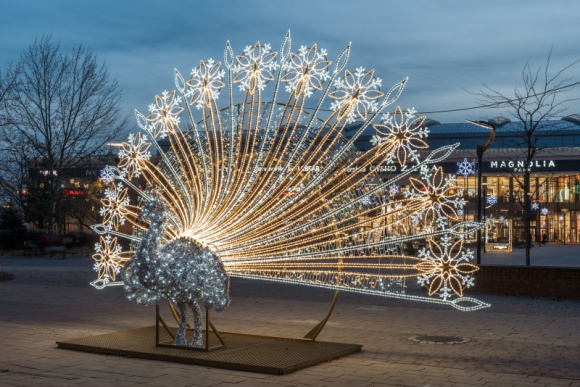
253,353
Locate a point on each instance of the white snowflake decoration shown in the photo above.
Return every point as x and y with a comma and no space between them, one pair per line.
132,155
447,267
205,83
253,70
114,207
356,94
165,114
466,168
393,189
544,211
441,207
491,199
404,132
107,259
535,206
107,174
306,70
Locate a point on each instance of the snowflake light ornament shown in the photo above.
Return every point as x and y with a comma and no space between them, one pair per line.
356,93
393,189
114,208
254,69
403,132
205,82
165,114
306,70
535,206
544,211
446,267
466,168
440,208
107,174
108,261
491,199
133,154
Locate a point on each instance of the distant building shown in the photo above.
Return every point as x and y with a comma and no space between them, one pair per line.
555,172
75,182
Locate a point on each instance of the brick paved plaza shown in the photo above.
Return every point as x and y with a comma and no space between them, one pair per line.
519,341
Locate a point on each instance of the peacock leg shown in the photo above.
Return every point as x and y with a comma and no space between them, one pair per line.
197,341
180,338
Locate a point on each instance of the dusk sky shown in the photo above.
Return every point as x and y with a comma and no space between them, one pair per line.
443,47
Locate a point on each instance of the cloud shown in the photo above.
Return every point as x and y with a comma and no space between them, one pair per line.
444,46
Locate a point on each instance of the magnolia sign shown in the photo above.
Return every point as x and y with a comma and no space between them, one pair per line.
521,166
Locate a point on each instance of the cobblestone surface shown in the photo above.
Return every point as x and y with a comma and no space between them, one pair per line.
519,341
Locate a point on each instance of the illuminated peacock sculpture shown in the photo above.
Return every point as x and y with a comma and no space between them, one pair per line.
276,191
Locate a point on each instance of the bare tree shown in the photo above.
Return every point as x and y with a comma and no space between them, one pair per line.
9,187
63,109
535,106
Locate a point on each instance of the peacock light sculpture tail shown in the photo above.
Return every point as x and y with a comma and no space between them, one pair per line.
277,191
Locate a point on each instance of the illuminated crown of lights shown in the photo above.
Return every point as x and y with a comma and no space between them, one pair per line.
277,191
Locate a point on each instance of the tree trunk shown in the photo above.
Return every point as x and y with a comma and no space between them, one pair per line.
526,217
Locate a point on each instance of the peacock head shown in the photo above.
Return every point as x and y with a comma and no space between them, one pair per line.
152,210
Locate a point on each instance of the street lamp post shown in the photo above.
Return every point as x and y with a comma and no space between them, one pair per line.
480,150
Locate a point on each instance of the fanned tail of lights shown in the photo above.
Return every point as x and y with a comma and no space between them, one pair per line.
276,190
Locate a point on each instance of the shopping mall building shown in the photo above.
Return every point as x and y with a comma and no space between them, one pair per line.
555,178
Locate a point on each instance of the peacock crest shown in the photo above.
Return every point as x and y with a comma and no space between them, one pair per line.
254,159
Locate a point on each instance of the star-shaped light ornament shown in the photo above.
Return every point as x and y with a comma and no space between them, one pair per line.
446,268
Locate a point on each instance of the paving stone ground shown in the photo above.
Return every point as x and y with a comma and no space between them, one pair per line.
518,341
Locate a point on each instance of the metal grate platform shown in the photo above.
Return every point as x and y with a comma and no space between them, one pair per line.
263,354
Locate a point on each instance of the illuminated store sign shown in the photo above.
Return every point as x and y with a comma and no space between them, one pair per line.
520,166
377,168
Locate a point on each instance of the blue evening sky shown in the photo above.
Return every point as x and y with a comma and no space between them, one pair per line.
443,46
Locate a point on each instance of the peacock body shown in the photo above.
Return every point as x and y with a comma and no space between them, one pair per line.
278,192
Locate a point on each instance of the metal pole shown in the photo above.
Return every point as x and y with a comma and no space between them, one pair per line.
479,158
480,150
484,218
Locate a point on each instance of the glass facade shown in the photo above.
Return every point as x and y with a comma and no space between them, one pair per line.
554,211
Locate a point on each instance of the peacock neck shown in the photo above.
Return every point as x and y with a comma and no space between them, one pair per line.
152,240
